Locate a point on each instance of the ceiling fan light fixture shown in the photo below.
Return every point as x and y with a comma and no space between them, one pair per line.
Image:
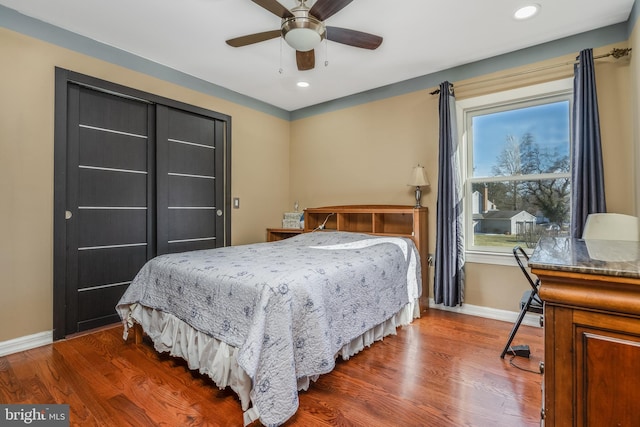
303,29
303,34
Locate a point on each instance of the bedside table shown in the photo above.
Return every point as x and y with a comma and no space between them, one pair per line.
275,234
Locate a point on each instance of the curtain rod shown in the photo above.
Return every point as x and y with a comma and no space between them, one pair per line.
615,52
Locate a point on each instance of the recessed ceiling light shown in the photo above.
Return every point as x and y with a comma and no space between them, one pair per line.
302,84
527,11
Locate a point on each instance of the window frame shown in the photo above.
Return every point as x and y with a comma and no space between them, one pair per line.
557,90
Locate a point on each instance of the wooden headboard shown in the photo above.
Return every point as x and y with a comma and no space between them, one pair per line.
380,220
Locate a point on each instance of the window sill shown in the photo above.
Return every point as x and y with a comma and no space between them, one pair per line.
495,258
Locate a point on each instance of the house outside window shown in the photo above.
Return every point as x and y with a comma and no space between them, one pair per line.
515,151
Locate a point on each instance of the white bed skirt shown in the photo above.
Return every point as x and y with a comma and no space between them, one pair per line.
217,359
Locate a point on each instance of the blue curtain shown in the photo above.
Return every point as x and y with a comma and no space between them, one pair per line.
587,173
448,288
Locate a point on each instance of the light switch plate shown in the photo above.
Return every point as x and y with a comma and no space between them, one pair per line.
236,202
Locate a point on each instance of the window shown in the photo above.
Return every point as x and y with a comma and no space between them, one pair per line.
516,167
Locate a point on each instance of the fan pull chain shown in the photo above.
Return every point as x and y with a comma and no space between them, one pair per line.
326,52
281,70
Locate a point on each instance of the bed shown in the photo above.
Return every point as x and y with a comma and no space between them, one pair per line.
266,319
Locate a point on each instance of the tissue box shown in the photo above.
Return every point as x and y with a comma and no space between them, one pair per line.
292,220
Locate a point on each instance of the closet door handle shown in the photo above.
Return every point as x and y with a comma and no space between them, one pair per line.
67,214
219,212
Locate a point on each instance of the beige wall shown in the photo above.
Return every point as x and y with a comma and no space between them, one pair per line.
616,120
260,170
364,154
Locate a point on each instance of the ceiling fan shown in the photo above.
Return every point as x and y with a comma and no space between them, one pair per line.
303,29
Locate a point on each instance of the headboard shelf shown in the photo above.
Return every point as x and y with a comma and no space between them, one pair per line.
380,220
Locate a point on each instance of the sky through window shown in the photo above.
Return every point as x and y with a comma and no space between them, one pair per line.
547,123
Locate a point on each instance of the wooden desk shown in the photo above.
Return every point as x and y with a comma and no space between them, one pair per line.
592,331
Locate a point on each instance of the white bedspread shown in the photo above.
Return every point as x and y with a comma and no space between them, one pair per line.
288,307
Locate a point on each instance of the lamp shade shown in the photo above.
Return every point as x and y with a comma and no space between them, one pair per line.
302,39
418,177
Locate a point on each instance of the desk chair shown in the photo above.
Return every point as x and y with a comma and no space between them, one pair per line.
530,302
611,226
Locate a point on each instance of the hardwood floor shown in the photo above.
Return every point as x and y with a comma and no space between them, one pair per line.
443,370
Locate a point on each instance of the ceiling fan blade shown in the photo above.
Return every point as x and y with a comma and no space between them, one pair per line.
254,38
274,7
323,9
353,38
305,60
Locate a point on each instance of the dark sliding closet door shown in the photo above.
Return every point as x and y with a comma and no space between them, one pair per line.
109,215
136,175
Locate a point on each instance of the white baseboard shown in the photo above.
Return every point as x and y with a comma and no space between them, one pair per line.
530,319
25,343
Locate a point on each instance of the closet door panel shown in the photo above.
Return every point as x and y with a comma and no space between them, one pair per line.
191,127
106,227
112,150
191,192
115,189
109,265
197,245
96,306
110,112
191,158
191,224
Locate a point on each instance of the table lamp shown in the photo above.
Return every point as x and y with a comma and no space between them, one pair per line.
418,179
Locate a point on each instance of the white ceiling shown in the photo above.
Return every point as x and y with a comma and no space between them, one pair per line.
420,37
